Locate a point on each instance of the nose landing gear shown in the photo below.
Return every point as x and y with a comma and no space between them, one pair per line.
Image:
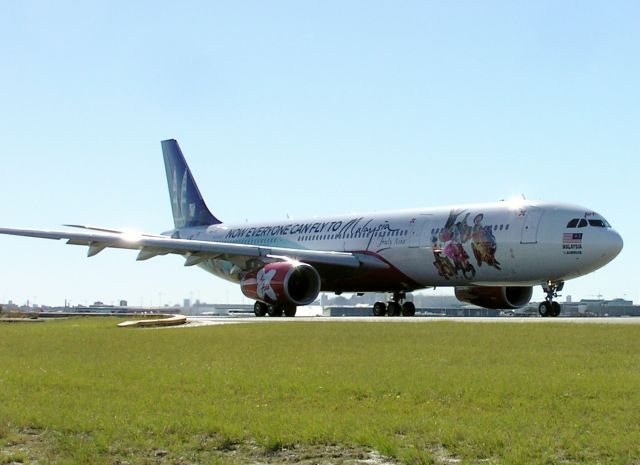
549,307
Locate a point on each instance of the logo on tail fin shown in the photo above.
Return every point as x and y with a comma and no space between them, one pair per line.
187,204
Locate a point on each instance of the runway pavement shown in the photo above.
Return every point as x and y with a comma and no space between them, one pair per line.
194,321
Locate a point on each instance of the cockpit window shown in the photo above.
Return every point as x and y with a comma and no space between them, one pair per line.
582,223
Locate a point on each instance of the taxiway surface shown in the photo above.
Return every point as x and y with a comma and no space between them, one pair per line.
225,320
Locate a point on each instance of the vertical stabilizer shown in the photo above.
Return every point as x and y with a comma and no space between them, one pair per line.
187,203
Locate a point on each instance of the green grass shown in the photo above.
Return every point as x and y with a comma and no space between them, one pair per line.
84,391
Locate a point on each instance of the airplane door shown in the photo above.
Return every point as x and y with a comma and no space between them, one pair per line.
530,226
417,229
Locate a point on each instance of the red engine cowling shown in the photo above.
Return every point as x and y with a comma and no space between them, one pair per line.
282,283
495,297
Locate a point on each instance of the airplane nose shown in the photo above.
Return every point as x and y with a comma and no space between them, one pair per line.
615,244
602,248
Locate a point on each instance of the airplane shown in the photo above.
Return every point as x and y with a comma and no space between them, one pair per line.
492,254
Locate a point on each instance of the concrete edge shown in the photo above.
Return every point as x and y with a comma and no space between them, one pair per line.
173,320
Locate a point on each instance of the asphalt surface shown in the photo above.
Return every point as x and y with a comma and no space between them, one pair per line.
225,320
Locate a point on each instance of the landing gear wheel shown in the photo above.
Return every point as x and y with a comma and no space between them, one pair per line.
408,309
544,309
275,311
379,309
259,309
551,308
393,309
290,311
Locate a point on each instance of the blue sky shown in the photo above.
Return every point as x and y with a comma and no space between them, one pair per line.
305,108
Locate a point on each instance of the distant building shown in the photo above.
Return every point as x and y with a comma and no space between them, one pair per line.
201,308
592,308
462,310
99,307
449,306
437,301
352,300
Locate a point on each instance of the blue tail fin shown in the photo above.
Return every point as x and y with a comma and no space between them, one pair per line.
187,204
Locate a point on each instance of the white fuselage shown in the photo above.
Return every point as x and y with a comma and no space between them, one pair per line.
515,243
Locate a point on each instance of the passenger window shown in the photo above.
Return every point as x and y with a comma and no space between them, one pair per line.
501,227
582,223
506,228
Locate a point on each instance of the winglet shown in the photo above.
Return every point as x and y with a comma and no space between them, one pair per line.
187,203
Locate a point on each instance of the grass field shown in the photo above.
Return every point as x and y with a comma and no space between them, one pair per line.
84,391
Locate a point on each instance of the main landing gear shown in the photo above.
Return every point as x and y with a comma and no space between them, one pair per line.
549,307
261,309
397,306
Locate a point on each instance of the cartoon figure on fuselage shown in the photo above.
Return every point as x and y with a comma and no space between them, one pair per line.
453,236
484,243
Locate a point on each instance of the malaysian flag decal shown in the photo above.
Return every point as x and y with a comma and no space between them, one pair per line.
572,238
572,243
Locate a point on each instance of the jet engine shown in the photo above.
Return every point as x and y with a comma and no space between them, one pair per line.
279,283
495,297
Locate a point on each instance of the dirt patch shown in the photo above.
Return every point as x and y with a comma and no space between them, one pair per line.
306,455
22,447
444,457
33,446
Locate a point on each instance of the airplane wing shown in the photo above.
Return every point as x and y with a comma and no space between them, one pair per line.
101,229
245,256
